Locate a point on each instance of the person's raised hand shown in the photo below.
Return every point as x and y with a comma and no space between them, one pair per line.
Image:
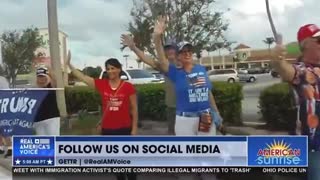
279,51
160,25
127,41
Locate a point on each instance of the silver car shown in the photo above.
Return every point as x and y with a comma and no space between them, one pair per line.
135,76
226,75
245,77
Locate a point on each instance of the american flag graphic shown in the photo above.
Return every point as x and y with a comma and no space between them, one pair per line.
197,81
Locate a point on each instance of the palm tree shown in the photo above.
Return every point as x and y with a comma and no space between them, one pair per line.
269,41
142,32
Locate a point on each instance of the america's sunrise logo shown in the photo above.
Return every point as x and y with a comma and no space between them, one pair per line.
278,153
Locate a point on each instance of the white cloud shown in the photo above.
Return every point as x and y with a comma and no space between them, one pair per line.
249,23
94,26
256,7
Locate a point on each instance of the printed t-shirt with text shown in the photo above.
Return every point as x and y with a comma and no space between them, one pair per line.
115,104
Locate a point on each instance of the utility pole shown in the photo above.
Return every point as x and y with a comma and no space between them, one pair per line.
65,66
55,57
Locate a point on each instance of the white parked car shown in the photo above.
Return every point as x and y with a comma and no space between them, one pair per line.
227,75
243,70
135,76
157,75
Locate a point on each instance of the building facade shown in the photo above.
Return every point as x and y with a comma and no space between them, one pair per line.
43,53
244,56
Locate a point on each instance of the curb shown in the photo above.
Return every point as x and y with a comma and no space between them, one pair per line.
237,132
258,86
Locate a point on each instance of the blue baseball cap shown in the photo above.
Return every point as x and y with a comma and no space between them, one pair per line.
170,43
183,44
170,46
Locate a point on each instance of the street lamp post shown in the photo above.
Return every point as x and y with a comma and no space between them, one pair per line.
55,57
126,59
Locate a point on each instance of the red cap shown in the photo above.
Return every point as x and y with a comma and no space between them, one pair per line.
309,30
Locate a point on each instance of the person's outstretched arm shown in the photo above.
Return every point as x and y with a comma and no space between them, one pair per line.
159,29
86,79
127,40
285,69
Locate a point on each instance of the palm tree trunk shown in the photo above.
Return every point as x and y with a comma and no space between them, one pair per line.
271,21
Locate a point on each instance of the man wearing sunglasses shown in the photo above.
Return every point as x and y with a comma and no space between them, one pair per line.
304,76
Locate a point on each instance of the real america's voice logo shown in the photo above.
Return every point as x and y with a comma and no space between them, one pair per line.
278,153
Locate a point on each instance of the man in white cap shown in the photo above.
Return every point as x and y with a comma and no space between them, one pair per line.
47,121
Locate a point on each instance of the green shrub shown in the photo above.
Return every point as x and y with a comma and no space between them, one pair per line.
228,98
82,98
277,106
151,102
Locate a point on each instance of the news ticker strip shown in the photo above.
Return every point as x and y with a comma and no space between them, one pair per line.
22,171
165,151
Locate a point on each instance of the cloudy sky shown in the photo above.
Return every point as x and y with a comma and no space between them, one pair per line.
94,26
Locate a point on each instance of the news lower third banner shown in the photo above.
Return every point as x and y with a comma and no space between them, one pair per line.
158,151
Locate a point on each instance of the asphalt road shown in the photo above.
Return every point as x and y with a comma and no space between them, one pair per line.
251,93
